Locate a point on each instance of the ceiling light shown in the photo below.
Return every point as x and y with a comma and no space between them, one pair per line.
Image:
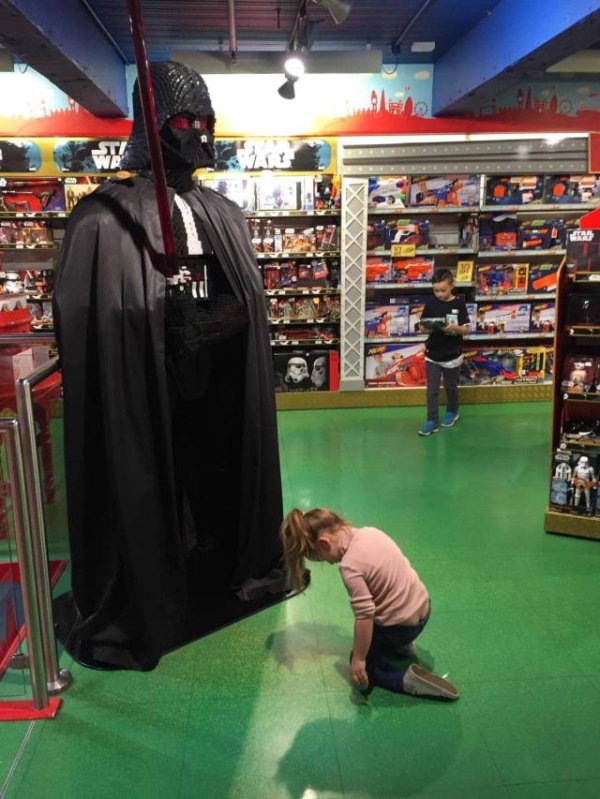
338,9
293,67
286,90
422,47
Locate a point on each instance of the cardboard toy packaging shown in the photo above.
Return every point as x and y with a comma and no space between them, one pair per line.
565,189
240,191
415,309
445,191
574,481
578,373
387,319
543,315
388,191
542,278
31,195
497,319
501,279
378,269
395,365
583,310
514,189
412,270
583,253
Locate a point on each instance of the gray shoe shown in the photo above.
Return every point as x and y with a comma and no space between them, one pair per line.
420,682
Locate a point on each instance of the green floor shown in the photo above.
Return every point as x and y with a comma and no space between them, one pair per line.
262,710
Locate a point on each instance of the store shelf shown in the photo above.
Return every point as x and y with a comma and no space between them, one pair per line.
33,214
535,209
520,253
319,321
572,524
513,297
278,214
424,210
301,290
429,251
266,256
303,342
507,336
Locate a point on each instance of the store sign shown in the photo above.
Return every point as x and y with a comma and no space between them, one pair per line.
89,155
288,155
19,155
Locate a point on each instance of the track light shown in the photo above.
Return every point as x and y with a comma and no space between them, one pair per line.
286,90
294,68
339,9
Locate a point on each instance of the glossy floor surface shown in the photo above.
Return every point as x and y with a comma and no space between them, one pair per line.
263,710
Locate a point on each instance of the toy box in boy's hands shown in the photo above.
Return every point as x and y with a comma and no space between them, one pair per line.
240,191
564,189
498,319
542,278
412,270
379,269
514,190
543,316
448,190
387,319
388,191
31,195
579,374
501,279
306,370
393,365
574,482
583,253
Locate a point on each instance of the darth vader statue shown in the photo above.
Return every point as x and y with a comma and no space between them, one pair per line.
171,456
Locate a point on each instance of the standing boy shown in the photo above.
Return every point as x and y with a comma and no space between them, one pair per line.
446,319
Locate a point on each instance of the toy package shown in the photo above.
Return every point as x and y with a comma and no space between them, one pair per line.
240,191
327,237
542,278
281,194
31,195
296,239
543,316
301,334
412,270
415,309
395,365
460,191
306,370
502,279
583,253
514,190
25,233
379,269
41,314
278,275
472,311
540,234
388,191
583,310
579,373
327,193
387,321
497,319
382,233
574,482
498,232
77,188
565,189
504,365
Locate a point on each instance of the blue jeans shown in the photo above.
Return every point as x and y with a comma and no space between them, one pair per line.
385,644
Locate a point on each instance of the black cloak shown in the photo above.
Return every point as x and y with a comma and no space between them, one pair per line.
138,587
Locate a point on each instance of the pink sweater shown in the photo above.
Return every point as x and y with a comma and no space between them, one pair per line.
380,580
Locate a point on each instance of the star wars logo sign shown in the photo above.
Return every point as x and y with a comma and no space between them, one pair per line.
107,155
266,154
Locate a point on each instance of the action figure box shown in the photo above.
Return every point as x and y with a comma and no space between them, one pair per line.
583,310
31,195
497,319
327,237
306,370
472,311
514,190
280,275
389,320
542,278
240,191
500,232
579,373
76,188
297,335
388,191
378,269
395,365
26,234
583,253
502,279
281,194
461,191
326,193
296,239
565,189
412,270
41,314
543,317
574,482
415,310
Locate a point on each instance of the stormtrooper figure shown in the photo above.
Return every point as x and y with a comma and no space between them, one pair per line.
583,480
318,375
297,370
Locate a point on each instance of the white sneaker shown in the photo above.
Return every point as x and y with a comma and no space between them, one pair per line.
420,682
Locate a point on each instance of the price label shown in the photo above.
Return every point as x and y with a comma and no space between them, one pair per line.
464,271
403,250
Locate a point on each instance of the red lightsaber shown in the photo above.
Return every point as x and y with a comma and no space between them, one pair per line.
152,135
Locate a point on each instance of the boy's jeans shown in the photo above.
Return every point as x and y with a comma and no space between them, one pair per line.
434,374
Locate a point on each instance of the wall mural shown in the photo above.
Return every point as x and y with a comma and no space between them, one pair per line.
395,101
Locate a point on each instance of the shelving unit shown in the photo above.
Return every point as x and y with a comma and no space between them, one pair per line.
573,507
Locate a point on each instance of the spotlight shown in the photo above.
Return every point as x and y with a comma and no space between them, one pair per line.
339,9
293,67
286,90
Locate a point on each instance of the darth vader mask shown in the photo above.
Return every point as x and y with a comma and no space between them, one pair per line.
185,119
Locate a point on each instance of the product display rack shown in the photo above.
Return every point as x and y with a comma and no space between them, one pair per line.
573,507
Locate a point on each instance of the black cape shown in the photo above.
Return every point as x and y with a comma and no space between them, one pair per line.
138,588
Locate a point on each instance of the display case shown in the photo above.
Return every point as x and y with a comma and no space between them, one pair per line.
573,499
